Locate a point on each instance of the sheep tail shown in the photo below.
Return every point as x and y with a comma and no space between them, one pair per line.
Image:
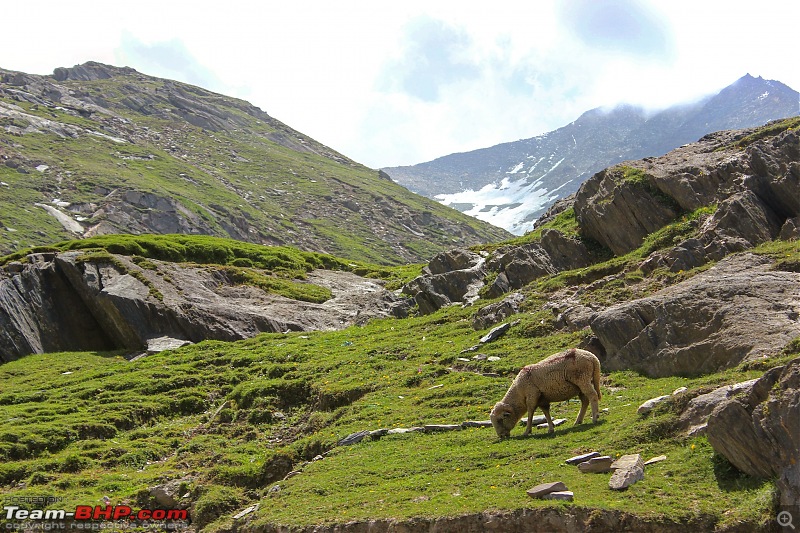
596,379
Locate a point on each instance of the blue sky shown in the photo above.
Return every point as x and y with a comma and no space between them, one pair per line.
401,84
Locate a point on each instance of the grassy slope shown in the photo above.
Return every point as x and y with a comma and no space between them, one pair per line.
291,196
114,428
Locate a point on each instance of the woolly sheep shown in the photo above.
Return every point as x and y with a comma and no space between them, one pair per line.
557,378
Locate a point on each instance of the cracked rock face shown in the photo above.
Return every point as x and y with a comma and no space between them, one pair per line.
758,431
739,310
63,303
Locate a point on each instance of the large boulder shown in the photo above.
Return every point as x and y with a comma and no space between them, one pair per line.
759,430
741,309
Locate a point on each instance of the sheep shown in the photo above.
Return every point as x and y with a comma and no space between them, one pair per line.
557,378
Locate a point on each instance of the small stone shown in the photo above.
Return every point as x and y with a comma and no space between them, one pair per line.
480,357
399,431
565,495
492,358
546,488
245,512
537,419
442,427
596,465
378,433
647,406
556,422
655,460
317,458
477,424
628,469
578,459
679,390
463,359
436,387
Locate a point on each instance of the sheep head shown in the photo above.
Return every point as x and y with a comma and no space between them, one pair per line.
503,419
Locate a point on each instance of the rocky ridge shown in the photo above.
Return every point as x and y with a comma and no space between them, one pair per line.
96,149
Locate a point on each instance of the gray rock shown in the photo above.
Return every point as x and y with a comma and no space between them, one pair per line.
695,415
353,438
168,495
563,495
759,430
159,344
734,312
578,459
477,424
647,406
546,488
442,427
790,229
596,465
497,312
556,422
400,431
496,333
438,287
628,469
655,460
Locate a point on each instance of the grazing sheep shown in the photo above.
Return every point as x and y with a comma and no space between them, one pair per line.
558,378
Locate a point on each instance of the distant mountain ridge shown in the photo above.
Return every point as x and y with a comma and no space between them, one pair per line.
96,149
511,184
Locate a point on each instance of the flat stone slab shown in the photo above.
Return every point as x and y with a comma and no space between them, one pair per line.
578,459
399,431
442,427
546,488
655,460
563,495
556,422
354,438
477,424
596,465
537,419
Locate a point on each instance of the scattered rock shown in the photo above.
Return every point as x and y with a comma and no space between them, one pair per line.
537,419
628,469
159,344
442,427
596,465
497,312
564,495
168,495
453,276
353,438
378,433
647,406
245,512
477,424
679,390
556,422
655,460
492,358
578,459
546,488
399,431
496,333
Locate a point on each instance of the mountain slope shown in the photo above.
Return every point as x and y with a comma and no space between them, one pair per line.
511,184
96,149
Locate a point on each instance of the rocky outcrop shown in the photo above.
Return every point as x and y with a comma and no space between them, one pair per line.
516,266
66,302
694,418
454,276
757,189
759,430
739,310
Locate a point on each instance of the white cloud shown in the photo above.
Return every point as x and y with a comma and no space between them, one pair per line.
334,70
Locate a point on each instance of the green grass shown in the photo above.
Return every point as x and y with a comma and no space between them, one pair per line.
113,427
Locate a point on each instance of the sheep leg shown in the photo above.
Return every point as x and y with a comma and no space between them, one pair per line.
532,405
587,390
584,405
551,428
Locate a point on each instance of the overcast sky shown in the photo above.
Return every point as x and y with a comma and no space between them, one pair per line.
396,83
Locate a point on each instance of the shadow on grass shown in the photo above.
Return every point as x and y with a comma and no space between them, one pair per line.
730,479
569,429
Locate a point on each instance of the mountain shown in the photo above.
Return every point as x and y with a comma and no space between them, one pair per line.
96,149
679,272
511,184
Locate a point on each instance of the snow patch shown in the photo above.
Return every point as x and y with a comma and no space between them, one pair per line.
515,169
763,96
